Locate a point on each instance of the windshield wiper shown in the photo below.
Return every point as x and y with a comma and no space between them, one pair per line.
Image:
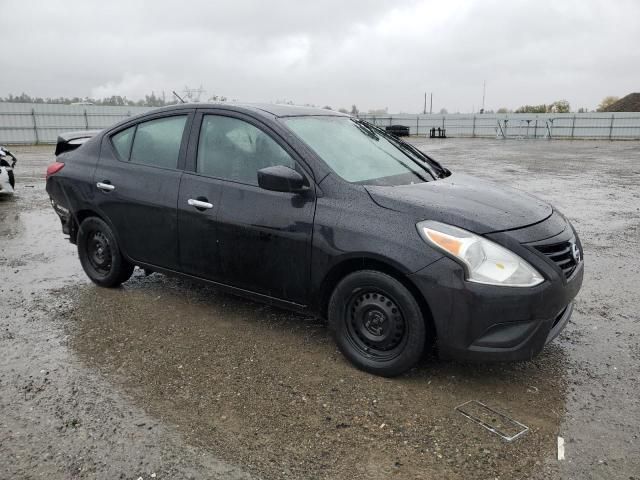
370,131
365,128
407,147
404,147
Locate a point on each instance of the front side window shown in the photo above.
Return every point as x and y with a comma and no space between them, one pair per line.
157,142
233,149
357,153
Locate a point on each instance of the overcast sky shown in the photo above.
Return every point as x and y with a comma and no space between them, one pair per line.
375,54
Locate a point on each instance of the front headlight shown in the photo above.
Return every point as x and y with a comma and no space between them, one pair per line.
485,261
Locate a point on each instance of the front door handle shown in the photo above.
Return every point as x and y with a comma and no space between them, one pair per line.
199,204
105,187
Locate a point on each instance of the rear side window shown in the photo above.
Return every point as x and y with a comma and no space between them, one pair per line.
157,142
233,149
122,142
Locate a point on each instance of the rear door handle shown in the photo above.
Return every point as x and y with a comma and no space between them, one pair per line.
199,204
105,187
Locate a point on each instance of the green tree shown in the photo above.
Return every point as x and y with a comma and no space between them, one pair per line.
115,100
532,109
559,106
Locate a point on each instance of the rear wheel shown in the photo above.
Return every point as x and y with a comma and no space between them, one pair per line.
100,255
377,323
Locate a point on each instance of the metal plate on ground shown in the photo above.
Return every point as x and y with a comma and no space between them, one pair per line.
506,428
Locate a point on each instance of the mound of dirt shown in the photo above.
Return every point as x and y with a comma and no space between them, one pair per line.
630,103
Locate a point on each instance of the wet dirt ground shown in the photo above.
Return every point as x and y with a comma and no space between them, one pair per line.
170,378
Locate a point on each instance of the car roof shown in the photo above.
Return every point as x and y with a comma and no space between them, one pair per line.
264,109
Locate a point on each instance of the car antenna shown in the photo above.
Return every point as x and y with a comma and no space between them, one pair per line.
179,97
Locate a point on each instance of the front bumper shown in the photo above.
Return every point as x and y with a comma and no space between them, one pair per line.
490,323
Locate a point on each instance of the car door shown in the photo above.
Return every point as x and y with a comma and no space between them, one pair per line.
137,182
198,205
260,240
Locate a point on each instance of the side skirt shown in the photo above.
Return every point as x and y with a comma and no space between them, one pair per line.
259,297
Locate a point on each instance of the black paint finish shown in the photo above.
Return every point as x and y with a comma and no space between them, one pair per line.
291,248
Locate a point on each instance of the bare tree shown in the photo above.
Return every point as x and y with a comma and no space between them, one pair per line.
607,102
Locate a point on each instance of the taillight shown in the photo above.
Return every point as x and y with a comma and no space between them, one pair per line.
54,168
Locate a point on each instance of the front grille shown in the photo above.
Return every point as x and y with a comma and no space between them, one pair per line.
563,255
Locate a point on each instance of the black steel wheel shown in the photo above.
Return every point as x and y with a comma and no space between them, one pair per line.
99,252
377,323
100,255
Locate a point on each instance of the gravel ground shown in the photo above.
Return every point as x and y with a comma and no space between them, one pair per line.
166,377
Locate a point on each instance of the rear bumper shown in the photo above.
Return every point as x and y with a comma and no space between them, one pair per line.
487,323
66,219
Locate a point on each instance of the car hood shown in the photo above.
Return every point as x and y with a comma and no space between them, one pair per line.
464,201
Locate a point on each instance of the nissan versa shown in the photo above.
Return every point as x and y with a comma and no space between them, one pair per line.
320,212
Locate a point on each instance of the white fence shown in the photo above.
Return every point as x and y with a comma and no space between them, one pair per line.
607,126
35,123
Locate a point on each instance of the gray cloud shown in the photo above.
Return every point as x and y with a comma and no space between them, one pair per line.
371,53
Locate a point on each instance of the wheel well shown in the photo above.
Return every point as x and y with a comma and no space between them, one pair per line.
347,267
76,220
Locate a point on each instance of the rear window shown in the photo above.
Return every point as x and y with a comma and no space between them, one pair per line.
157,142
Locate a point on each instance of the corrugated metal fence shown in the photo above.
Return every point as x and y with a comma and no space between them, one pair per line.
607,126
28,123
34,123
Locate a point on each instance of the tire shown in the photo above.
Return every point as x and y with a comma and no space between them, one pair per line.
377,323
12,179
100,255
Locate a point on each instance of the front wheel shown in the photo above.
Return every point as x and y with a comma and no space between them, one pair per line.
100,255
377,323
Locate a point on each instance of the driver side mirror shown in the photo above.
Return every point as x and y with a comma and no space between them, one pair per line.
279,178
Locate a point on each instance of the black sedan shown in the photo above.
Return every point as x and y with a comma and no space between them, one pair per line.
320,212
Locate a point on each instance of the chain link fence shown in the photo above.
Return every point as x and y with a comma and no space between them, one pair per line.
605,126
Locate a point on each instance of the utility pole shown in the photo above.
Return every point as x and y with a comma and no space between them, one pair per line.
484,91
193,94
431,104
424,111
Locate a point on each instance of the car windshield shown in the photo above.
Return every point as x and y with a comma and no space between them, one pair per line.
359,153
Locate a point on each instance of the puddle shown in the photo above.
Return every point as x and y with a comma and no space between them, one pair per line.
267,388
